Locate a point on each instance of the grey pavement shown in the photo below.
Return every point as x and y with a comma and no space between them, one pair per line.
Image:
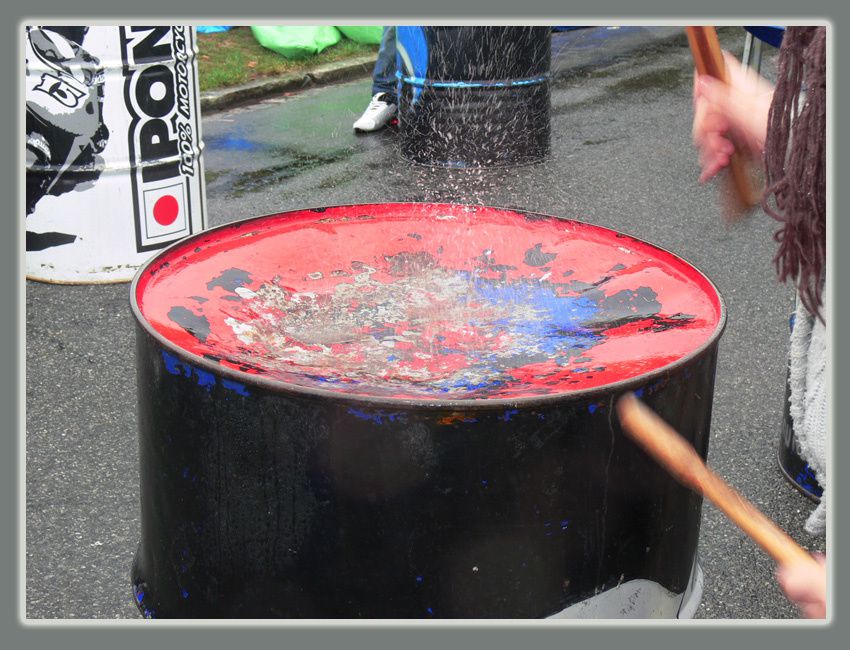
621,158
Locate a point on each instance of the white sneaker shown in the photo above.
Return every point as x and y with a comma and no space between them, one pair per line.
377,114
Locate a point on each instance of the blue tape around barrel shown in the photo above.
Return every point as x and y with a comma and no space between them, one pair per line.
418,81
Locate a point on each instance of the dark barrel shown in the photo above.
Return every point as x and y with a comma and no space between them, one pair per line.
798,472
474,96
407,411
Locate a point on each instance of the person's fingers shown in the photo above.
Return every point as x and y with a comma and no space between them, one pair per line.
718,143
714,145
718,109
709,135
802,578
727,113
712,166
714,91
711,124
814,610
711,163
707,119
795,584
744,99
805,585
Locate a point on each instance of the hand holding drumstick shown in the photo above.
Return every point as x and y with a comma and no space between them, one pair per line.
731,106
801,576
805,586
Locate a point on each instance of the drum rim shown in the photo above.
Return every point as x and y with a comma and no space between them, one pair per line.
292,389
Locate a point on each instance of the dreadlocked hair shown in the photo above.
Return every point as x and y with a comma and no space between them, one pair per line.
795,163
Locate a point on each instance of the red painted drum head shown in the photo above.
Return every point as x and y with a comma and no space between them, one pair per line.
428,302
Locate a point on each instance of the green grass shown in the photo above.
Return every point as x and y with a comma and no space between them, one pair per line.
235,57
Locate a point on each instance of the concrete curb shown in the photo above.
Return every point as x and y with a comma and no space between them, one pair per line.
219,100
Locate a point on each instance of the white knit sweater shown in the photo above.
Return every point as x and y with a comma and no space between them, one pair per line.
808,381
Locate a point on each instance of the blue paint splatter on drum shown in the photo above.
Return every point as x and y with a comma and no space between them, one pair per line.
236,387
544,323
204,378
175,366
808,481
378,417
508,415
139,591
464,384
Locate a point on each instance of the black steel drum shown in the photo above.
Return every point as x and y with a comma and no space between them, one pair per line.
791,463
474,97
406,411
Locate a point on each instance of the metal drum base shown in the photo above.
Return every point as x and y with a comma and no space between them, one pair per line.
792,465
641,599
799,474
635,599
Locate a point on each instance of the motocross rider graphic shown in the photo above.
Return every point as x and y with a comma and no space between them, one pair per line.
64,119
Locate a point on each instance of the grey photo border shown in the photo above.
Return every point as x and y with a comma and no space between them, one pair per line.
20,633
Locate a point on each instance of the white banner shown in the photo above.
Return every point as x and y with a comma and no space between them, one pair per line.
114,166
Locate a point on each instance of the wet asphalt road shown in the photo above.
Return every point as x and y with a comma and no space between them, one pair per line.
621,158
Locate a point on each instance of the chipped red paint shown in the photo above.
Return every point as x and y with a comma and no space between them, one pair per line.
429,301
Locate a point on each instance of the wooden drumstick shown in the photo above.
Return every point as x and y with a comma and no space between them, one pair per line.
679,458
708,58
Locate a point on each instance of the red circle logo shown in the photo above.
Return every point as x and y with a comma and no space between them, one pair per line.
165,210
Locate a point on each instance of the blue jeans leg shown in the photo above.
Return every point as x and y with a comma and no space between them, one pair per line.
383,75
